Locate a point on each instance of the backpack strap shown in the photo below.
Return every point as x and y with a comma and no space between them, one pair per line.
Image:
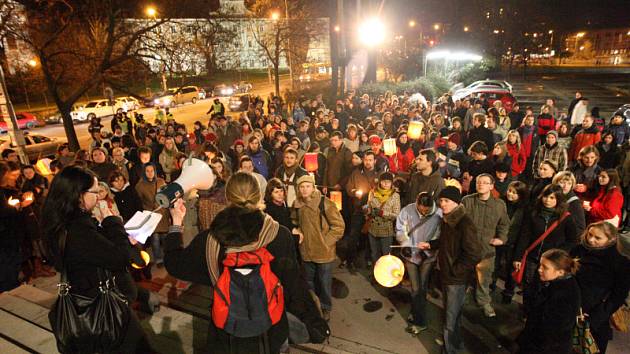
322,213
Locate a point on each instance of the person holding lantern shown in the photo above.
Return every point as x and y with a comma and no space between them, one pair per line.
382,209
401,159
376,144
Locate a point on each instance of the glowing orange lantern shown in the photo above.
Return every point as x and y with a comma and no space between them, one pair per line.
145,257
415,129
335,196
43,167
310,161
389,145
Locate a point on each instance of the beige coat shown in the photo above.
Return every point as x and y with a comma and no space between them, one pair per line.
320,233
147,191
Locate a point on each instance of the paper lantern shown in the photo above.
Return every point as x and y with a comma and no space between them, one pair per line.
145,257
310,161
389,271
43,167
335,196
415,129
389,145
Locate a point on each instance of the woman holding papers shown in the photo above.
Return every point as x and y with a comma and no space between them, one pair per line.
82,245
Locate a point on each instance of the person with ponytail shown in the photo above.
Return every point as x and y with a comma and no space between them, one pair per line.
81,245
602,277
244,227
555,306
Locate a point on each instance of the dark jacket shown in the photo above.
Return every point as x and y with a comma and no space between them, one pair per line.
550,322
103,170
480,134
564,236
226,138
604,284
338,166
577,212
190,264
433,183
128,201
459,248
13,232
609,156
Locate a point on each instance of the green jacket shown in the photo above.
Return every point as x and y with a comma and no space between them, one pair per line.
491,219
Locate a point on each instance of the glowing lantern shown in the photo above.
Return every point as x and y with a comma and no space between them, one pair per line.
415,129
43,167
358,193
389,145
310,161
145,257
335,196
389,271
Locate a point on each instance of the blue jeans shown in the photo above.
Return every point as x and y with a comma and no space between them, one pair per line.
419,277
379,246
453,303
322,272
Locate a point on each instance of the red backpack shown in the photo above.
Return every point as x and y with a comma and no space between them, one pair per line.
248,296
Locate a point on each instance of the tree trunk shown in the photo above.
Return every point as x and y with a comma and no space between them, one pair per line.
68,126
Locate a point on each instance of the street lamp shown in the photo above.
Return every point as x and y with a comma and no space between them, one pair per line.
32,63
436,26
466,29
275,16
337,28
372,32
151,11
412,23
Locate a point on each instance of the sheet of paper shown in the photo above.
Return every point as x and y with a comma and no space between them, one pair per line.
142,225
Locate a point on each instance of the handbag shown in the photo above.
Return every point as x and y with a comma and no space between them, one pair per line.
517,274
621,319
83,324
582,339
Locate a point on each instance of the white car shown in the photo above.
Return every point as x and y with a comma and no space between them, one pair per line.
128,103
97,108
490,83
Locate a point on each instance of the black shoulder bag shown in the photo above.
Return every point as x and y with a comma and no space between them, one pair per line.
89,325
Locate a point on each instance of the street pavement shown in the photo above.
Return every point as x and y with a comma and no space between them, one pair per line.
187,114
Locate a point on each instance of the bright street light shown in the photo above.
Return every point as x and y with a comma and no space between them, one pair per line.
436,26
453,56
466,29
337,28
32,63
550,31
275,16
372,32
580,34
412,23
151,11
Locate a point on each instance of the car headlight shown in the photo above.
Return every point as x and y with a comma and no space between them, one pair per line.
230,91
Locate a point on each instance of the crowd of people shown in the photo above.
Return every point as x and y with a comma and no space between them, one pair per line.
479,192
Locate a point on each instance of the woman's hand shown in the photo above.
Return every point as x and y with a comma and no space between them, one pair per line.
299,233
103,213
424,245
178,211
517,265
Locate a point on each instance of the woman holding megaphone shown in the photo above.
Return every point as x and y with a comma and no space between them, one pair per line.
243,231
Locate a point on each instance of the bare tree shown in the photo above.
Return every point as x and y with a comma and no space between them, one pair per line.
279,37
80,44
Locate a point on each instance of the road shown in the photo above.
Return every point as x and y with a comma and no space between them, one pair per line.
185,114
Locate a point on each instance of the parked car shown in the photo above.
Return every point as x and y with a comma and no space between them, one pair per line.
128,103
25,121
96,109
489,83
239,103
37,145
173,97
223,90
492,94
56,117
202,94
244,86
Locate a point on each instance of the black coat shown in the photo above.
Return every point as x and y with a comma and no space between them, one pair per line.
480,134
550,322
281,214
577,212
128,202
564,236
190,264
604,284
88,247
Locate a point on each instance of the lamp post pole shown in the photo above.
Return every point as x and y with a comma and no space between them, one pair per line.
6,109
286,13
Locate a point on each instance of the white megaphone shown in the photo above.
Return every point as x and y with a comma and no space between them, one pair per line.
196,174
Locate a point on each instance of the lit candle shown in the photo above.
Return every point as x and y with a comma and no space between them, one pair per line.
13,202
358,193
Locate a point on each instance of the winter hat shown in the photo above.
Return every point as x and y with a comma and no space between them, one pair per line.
451,193
374,139
305,179
502,167
553,132
386,176
239,142
455,138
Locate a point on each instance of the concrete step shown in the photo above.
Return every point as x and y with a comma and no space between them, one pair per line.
7,347
26,325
